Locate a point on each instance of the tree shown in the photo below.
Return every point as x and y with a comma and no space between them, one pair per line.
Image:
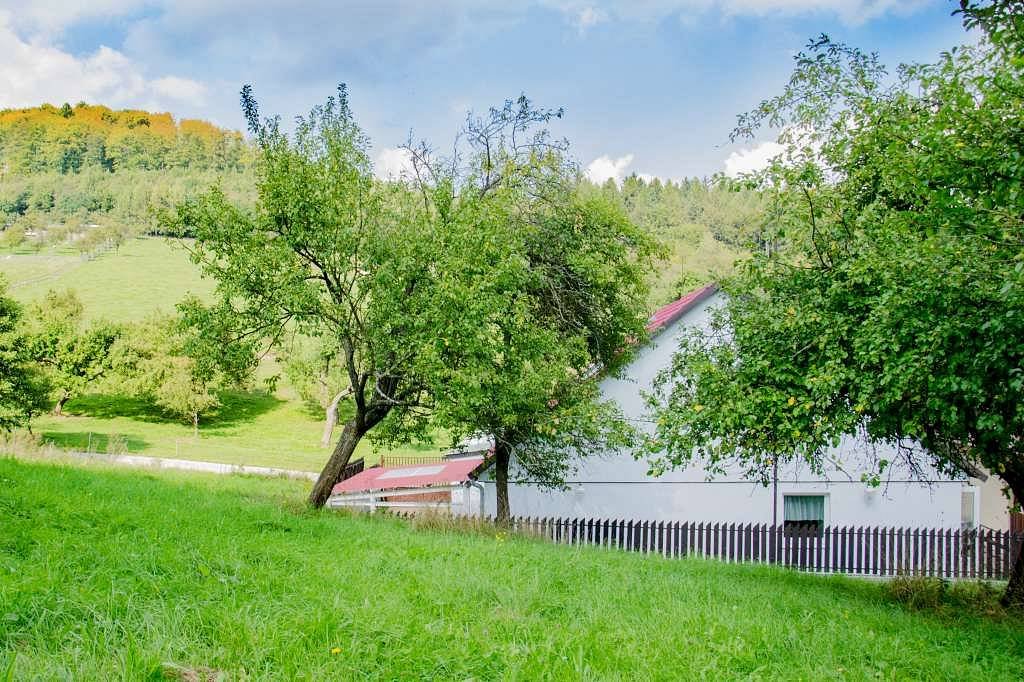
332,255
563,299
320,379
23,388
73,354
895,300
180,366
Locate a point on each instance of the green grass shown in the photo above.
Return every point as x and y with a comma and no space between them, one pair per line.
144,276
125,575
250,428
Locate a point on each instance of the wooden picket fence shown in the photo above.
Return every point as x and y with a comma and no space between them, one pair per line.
410,460
975,554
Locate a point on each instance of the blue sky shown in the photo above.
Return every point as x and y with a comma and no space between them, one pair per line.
649,86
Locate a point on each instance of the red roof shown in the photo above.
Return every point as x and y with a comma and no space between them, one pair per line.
417,476
668,314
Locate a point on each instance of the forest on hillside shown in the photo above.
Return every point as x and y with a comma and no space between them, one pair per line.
71,139
89,177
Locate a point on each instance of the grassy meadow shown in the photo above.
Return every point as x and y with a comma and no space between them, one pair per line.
249,428
148,275
131,575
145,276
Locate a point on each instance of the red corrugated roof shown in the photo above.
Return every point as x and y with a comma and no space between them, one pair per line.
668,314
417,476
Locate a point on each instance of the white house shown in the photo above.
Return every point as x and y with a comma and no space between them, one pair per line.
617,486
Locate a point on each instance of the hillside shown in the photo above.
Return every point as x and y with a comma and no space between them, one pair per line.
81,186
129,575
141,277
70,139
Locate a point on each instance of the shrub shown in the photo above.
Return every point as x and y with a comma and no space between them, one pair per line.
979,597
917,592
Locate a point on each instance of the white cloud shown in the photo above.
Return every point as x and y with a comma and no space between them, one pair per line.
851,12
752,159
33,72
605,168
589,16
393,163
50,17
181,89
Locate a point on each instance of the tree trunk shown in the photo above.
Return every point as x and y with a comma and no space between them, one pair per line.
58,409
501,461
350,437
331,419
195,426
1014,595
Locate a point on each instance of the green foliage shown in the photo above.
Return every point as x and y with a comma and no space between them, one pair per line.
22,387
704,226
917,592
894,302
945,597
332,255
70,140
563,293
115,574
315,373
171,363
73,355
94,208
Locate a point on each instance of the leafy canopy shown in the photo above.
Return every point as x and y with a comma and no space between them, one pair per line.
23,389
894,299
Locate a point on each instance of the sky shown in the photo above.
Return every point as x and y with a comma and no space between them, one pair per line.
648,86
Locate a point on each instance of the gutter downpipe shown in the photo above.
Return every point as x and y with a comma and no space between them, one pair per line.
479,486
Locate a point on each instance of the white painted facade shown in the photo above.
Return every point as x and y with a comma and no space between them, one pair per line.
617,486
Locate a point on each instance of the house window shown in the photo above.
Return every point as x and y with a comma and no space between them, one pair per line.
967,509
801,512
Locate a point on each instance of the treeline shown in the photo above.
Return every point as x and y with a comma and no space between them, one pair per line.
92,207
72,139
50,353
92,176
89,176
705,225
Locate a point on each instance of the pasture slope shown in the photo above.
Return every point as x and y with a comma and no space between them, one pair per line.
151,275
129,575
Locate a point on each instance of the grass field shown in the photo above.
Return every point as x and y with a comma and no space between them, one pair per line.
250,428
129,575
144,276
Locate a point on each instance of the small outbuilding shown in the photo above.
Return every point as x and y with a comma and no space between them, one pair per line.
447,486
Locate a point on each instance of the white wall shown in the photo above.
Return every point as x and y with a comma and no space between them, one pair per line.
617,486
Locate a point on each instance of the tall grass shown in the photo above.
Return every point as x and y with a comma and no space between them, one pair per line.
126,575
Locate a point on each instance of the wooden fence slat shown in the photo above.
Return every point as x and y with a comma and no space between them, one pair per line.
915,564
955,549
1004,554
933,552
805,536
826,542
982,553
880,550
990,551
